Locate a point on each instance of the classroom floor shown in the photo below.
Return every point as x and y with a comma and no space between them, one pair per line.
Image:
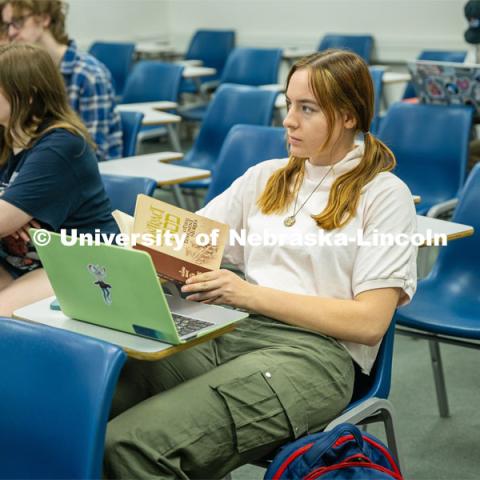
432,448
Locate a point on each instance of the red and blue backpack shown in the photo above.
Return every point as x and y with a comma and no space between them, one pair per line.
342,453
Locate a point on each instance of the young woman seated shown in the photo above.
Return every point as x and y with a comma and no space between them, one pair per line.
316,309
49,171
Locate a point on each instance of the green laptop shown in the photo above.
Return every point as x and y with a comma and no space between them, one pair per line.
118,288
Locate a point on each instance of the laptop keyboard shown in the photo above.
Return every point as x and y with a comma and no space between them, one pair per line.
186,325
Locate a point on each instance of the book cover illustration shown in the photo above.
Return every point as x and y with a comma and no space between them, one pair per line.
181,243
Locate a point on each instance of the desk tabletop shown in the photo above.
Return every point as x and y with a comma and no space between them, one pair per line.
165,157
196,72
146,106
436,226
190,62
135,346
156,117
153,47
293,53
153,167
395,77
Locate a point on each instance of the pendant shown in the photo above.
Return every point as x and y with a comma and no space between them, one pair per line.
289,221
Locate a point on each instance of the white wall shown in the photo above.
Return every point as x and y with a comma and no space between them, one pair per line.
90,20
401,27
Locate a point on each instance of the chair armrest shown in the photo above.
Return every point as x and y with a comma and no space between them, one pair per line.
209,87
442,208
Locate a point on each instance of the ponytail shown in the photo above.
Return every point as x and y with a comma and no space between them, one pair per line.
346,189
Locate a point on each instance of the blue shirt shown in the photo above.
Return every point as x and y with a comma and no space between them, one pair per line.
57,182
91,95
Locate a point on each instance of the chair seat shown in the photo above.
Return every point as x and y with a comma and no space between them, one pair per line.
457,314
194,114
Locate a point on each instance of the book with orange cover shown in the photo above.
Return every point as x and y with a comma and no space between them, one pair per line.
181,243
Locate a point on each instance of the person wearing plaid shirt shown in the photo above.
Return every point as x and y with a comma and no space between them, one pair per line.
91,95
89,83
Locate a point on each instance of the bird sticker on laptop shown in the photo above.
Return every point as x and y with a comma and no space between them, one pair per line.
100,275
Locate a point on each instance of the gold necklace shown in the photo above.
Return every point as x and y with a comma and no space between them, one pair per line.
290,220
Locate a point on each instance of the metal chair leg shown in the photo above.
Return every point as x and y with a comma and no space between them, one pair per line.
174,138
392,442
439,378
179,198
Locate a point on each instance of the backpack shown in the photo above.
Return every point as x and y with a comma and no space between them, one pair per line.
342,453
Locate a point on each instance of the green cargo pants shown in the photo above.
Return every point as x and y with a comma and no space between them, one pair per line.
205,411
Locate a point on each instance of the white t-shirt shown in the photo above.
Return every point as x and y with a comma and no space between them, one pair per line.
336,268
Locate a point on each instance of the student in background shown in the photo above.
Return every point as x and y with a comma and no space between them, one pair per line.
50,176
88,82
316,309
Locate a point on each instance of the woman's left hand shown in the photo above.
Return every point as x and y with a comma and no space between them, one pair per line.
23,234
221,287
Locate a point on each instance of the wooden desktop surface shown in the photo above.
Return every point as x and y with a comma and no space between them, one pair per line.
135,346
152,167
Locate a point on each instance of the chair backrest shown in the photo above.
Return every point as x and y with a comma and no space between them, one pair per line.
377,79
245,146
231,105
212,47
360,44
252,66
457,56
458,264
436,56
118,58
57,389
131,125
123,190
151,81
377,384
430,143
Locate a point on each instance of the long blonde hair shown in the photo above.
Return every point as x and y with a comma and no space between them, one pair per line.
35,90
341,83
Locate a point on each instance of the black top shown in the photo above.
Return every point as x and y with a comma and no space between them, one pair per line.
57,182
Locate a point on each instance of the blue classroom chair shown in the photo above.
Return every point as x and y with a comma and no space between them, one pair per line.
123,190
57,388
431,145
245,146
245,66
152,81
446,307
360,44
118,58
231,105
131,125
212,47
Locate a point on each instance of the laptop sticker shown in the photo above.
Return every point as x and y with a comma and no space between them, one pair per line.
100,275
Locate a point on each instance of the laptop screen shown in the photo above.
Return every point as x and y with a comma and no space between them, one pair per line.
446,83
